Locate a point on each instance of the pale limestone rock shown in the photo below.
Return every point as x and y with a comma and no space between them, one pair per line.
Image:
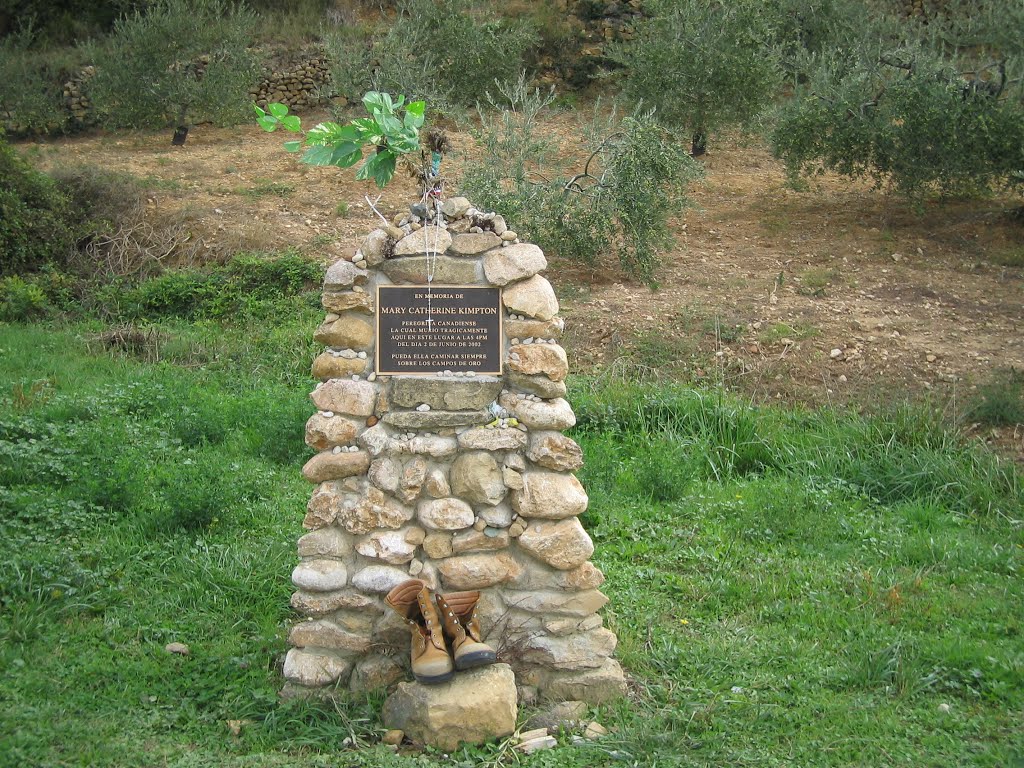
322,633
328,465
536,576
471,244
460,226
348,301
513,480
445,394
375,672
414,474
483,439
550,496
322,603
534,298
556,602
478,571
582,651
433,420
375,440
356,622
430,577
386,474
324,432
345,396
539,359
537,329
456,207
314,669
375,247
430,239
436,484
320,575
499,516
350,331
565,715
515,461
379,578
475,476
528,747
447,270
545,414
323,506
438,545
328,366
373,510
516,262
449,514
595,686
541,386
560,627
553,450
344,274
562,544
475,707
478,541
435,446
325,542
392,547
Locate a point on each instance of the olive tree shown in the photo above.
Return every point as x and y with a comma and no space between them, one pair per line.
701,64
177,63
935,108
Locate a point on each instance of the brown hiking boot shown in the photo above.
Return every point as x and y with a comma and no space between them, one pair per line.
412,601
461,626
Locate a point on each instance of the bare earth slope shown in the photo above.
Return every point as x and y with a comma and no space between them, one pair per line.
836,293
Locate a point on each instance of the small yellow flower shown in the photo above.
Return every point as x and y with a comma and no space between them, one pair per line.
684,622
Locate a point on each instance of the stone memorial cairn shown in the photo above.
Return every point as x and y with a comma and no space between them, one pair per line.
460,479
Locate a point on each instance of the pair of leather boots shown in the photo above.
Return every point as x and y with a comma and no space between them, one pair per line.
440,622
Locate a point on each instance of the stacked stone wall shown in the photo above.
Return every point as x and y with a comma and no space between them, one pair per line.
461,479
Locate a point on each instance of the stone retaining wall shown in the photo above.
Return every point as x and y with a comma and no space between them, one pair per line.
463,480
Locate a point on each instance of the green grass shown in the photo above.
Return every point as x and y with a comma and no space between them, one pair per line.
788,587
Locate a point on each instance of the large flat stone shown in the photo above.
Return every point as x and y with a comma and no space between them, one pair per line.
550,496
472,243
534,298
562,603
492,439
546,414
478,571
476,477
324,432
435,419
335,466
321,633
429,239
553,450
350,331
314,669
349,397
320,575
347,301
447,270
448,514
537,329
594,686
328,366
541,386
516,262
445,394
323,603
474,707
579,651
370,511
344,274
563,544
539,359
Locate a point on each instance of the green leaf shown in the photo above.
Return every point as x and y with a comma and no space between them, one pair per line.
414,115
259,110
388,123
268,123
380,167
375,100
292,122
318,156
292,146
278,110
346,154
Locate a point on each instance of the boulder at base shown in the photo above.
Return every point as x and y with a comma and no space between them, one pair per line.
476,706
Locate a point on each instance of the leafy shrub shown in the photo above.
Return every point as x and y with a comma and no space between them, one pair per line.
701,64
20,300
192,56
620,199
30,97
34,222
1000,402
193,495
250,284
922,109
447,52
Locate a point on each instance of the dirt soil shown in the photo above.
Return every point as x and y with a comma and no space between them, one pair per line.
835,294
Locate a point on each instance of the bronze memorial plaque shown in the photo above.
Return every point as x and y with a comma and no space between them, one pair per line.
423,330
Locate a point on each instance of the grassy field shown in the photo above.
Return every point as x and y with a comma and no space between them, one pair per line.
788,587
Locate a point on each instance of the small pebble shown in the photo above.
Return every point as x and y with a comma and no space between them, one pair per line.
422,407
358,289
179,649
372,377
337,449
361,355
327,414
516,341
356,377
